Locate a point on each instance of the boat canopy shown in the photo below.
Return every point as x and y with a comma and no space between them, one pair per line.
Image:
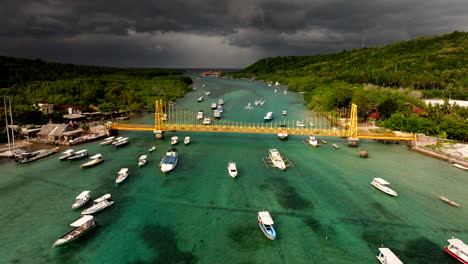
82,221
81,151
459,244
109,138
123,170
381,181
97,156
265,218
83,195
102,198
68,151
390,257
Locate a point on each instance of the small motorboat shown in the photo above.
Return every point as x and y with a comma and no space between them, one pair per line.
268,116
174,140
216,114
207,120
81,199
300,124
152,149
79,155
99,204
265,222
336,146
200,115
107,141
457,249
123,175
207,93
67,154
83,225
311,124
323,141
445,199
220,109
169,161
220,102
285,112
277,159
381,184
276,91
122,142
200,99
96,159
386,256
311,140
142,160
187,140
460,166
283,135
232,169
213,106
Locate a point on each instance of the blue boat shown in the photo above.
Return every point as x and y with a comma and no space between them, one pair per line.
220,109
266,225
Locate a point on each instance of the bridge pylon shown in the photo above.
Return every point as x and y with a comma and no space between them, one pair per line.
159,119
352,130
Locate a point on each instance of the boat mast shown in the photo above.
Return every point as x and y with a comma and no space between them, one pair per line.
12,127
6,121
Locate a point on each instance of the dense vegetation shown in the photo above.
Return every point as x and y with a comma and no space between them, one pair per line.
389,78
106,89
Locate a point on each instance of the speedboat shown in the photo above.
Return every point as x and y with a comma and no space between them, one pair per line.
67,154
268,116
96,159
277,160
81,199
207,120
123,174
207,93
216,114
200,115
386,256
174,140
265,222
83,225
169,161
213,106
311,140
200,99
187,140
232,169
220,102
300,124
99,204
121,142
79,155
457,249
107,141
142,160
283,135
285,112
152,149
381,184
220,109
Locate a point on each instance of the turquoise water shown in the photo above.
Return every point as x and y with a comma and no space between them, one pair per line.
324,208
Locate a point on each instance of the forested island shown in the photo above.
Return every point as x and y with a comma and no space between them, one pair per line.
388,82
105,89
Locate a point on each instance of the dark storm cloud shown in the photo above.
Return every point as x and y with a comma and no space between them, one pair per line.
197,33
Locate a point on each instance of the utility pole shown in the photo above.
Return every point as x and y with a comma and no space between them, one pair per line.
12,126
6,121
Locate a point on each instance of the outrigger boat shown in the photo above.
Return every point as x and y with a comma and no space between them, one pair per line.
277,160
187,140
381,184
458,250
311,140
67,154
81,199
174,140
142,160
265,222
386,256
123,174
83,225
152,149
99,204
79,155
232,169
96,159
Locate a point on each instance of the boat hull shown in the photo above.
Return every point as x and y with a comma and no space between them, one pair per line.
455,256
74,238
269,234
91,164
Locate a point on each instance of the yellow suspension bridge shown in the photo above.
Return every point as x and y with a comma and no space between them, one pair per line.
168,117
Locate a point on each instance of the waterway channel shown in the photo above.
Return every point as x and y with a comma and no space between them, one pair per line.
324,207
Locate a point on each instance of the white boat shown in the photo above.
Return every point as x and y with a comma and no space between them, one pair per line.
277,160
79,155
460,166
107,141
174,140
276,90
285,112
99,204
336,146
311,124
152,149
265,223
311,140
96,159
381,184
232,169
285,92
268,116
142,160
207,120
257,102
323,141
123,174
213,106
386,256
457,249
121,142
283,135
207,93
169,161
300,124
83,225
81,199
277,84
216,114
220,102
67,154
200,115
200,99
187,140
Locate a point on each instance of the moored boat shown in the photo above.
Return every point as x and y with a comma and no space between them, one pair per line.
83,225
174,140
445,199
285,112
232,169
200,99
66,154
142,160
187,140
300,124
220,109
268,116
207,120
277,159
200,115
123,175
29,157
213,106
96,159
311,140
81,154
460,166
122,142
457,249
216,114
207,93
220,102
81,199
386,256
169,161
283,135
266,223
381,184
152,149
336,146
107,141
99,204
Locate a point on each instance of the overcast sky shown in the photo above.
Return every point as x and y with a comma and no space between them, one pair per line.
212,33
